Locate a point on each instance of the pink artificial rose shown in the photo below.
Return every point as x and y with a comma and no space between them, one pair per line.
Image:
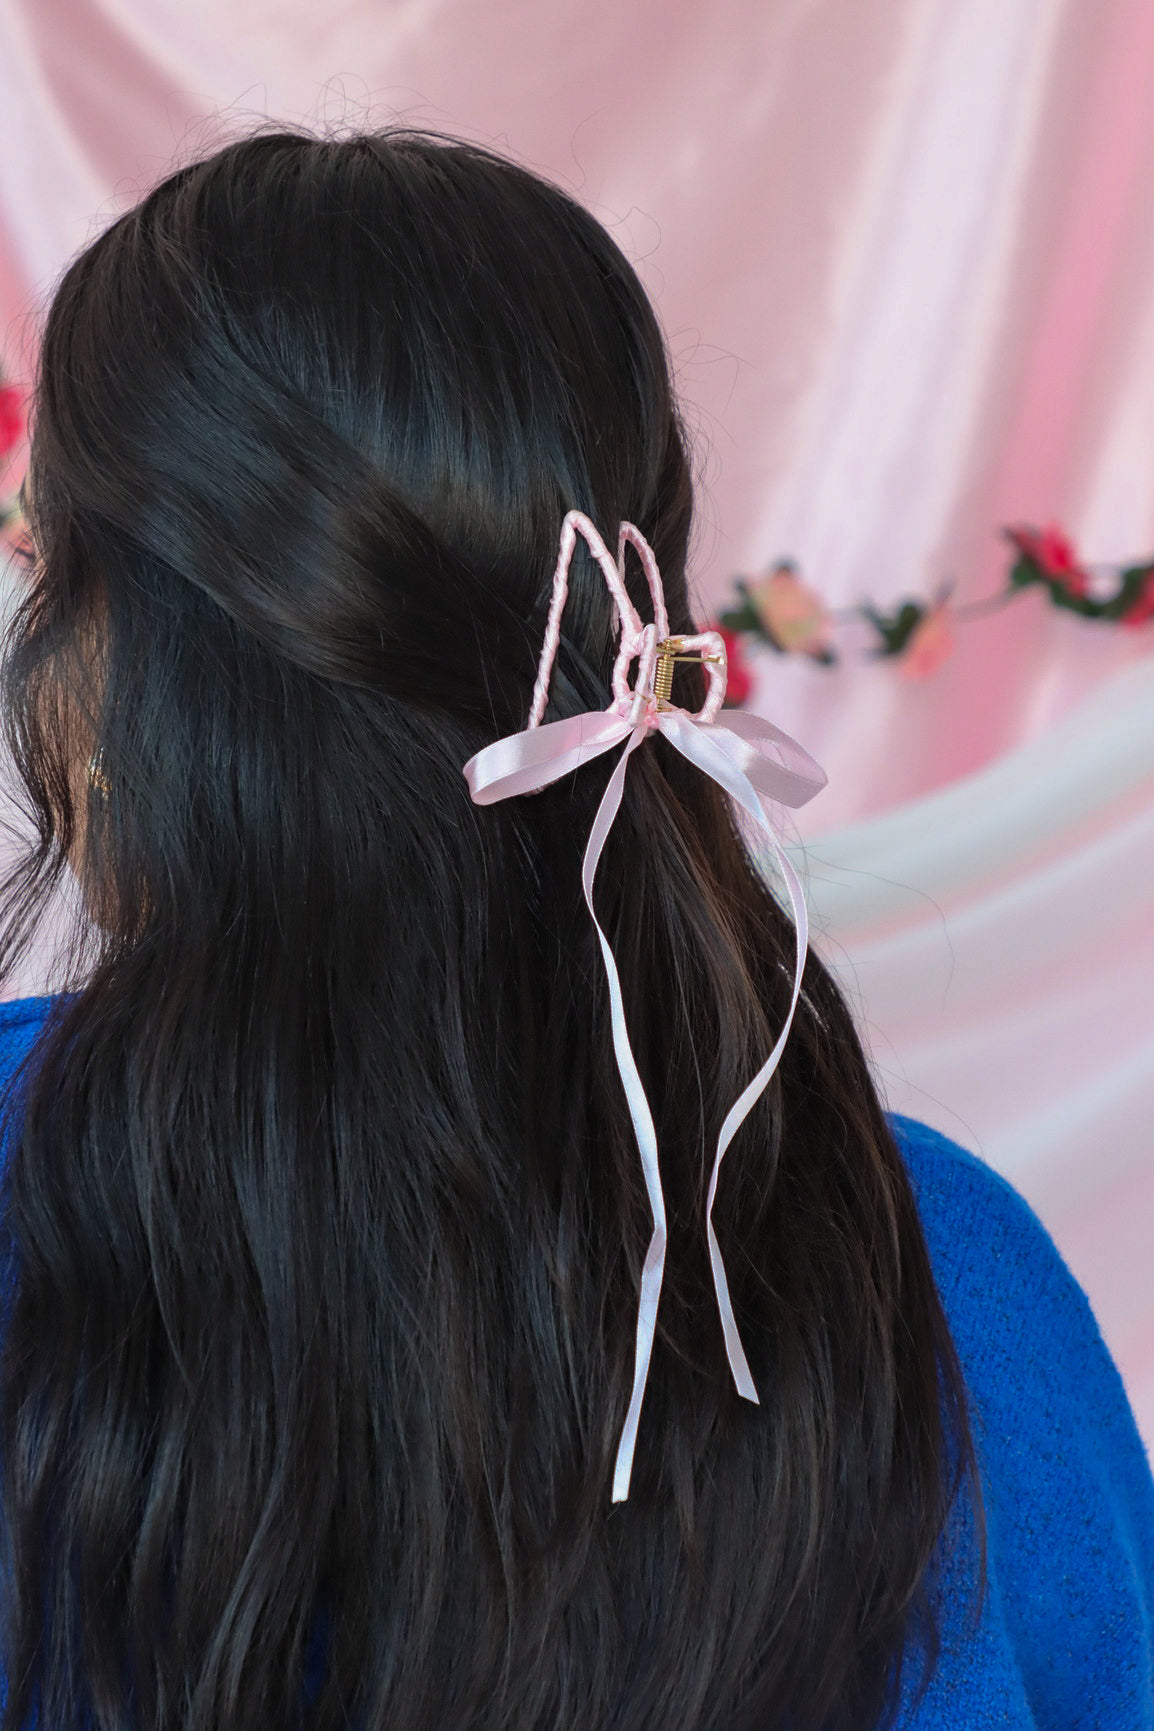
739,680
929,644
792,613
1052,549
11,418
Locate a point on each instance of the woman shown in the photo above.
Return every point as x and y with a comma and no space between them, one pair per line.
324,1209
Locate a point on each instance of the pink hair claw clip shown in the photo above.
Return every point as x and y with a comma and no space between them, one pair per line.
755,762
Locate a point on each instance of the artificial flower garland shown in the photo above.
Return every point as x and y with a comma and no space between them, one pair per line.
783,612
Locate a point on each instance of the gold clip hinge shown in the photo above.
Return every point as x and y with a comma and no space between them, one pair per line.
668,652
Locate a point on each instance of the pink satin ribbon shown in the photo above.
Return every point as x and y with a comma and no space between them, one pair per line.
748,757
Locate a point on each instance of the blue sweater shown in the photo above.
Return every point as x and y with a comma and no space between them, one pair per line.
1066,1637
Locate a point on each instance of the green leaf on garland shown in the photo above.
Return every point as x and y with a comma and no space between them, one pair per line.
745,617
1025,571
1131,584
894,629
741,619
1063,597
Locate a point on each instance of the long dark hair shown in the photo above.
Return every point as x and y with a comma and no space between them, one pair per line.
323,1205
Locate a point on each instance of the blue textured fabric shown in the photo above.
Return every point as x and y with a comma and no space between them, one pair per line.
1067,1635
1065,1641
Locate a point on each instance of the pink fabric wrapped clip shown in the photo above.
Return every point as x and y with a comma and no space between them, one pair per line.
753,761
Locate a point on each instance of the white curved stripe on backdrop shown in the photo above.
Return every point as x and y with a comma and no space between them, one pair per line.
997,939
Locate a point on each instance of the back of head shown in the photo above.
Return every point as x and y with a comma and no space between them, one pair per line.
324,1187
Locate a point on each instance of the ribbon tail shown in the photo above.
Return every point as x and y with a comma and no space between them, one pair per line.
643,1127
736,1115
710,756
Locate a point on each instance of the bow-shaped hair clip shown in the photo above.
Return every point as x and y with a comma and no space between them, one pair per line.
748,757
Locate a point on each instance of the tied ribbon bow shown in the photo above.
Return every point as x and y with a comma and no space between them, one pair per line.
748,757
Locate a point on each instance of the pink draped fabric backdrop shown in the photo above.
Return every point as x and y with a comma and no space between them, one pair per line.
904,254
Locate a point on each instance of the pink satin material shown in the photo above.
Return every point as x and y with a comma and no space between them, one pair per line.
754,762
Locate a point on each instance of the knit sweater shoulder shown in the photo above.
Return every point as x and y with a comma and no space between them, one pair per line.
1065,1636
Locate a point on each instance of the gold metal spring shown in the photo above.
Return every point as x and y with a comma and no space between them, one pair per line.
669,651
663,673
